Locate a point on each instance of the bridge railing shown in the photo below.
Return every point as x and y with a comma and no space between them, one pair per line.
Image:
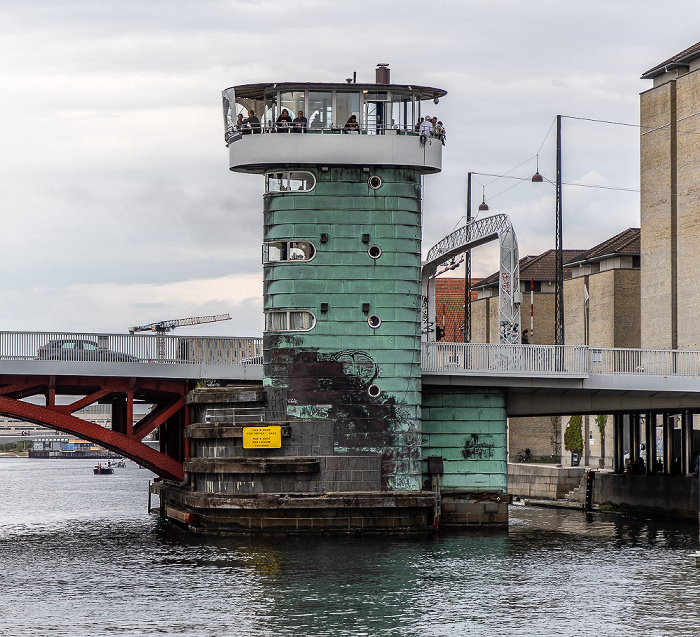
498,359
644,362
143,348
557,360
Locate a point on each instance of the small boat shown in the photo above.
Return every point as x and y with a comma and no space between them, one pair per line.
121,464
99,470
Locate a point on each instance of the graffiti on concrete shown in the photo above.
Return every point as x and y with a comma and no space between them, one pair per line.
478,447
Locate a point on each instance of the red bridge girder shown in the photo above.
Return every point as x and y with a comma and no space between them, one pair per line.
126,436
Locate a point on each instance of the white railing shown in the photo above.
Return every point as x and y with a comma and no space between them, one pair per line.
536,360
557,360
234,134
70,346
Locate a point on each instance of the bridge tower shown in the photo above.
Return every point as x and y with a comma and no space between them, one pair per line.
342,258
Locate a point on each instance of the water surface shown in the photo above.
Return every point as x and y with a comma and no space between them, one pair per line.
80,555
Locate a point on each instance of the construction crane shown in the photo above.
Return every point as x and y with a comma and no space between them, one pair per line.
163,327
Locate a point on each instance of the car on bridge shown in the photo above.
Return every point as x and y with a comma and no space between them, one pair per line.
69,349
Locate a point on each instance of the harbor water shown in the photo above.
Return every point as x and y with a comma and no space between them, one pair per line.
80,555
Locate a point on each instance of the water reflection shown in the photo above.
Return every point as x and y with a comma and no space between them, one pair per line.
85,557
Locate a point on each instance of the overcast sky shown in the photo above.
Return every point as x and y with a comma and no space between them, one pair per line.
118,207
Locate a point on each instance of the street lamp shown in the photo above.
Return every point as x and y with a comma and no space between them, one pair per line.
558,249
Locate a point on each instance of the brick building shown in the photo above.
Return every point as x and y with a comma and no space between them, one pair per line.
449,307
670,203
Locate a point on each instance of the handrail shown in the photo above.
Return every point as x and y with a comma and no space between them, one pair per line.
238,132
557,360
132,348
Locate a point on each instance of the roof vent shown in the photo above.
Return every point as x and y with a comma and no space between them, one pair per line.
383,72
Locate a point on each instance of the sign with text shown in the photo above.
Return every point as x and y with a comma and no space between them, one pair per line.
262,437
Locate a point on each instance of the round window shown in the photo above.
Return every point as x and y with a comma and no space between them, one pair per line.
374,251
374,321
375,182
374,390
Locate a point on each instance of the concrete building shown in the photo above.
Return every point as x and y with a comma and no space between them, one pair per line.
670,203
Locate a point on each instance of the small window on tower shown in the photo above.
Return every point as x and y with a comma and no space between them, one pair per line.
289,181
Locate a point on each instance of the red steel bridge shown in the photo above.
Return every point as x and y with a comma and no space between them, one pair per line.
47,378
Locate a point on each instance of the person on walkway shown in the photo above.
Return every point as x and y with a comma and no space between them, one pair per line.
253,122
351,126
283,121
426,128
300,123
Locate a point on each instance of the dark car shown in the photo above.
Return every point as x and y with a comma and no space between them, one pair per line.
80,350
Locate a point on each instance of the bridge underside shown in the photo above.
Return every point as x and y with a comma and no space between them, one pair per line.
168,412
602,394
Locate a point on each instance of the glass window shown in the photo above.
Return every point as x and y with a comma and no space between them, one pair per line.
270,110
288,251
346,104
293,101
89,345
289,321
290,181
320,113
300,321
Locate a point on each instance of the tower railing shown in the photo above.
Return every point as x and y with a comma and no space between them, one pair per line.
271,127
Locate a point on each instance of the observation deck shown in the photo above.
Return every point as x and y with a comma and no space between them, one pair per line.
343,124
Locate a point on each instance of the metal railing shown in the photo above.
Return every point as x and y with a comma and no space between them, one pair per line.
557,360
134,348
236,133
525,360
234,415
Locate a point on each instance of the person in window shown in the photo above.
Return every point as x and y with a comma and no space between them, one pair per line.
283,121
351,126
253,122
239,122
300,123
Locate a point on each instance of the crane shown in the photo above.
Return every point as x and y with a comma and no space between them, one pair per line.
162,327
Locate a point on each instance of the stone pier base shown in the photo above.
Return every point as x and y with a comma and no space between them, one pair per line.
398,511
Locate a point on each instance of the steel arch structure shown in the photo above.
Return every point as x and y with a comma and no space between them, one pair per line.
126,436
471,235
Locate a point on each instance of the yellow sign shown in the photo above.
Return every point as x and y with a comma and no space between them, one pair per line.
262,437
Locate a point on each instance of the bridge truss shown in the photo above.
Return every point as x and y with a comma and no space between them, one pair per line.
473,234
168,412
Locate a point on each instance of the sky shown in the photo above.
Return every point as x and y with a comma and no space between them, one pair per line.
118,208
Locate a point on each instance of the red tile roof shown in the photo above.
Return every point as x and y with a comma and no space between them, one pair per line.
627,243
676,60
537,268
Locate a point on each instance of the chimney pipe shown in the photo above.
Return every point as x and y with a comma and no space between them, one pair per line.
383,72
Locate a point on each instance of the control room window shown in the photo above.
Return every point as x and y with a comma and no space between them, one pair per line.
290,181
320,113
289,321
299,251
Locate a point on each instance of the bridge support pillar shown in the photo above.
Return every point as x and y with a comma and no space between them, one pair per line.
634,437
650,442
618,443
669,443
686,442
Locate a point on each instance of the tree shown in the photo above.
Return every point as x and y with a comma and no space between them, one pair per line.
602,420
573,438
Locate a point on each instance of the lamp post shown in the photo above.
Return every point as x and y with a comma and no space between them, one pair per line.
483,206
558,253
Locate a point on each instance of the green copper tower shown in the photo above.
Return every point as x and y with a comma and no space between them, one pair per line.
343,166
